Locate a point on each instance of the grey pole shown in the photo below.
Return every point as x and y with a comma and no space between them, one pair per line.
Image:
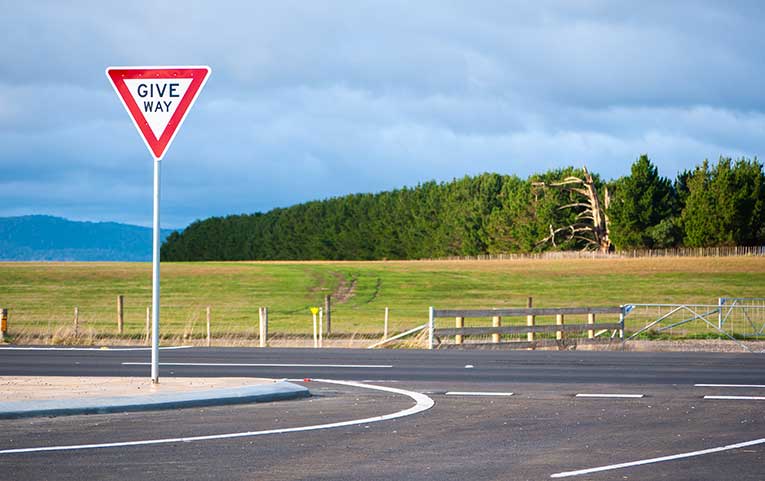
720,303
155,282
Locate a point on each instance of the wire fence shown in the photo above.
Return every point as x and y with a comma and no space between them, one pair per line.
179,322
735,319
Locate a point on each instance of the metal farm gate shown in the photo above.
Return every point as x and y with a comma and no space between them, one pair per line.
736,319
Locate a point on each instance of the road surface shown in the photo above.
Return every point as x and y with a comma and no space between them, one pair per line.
495,415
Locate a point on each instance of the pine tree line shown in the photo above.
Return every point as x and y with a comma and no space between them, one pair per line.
710,205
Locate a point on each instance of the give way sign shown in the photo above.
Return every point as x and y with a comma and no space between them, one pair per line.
158,99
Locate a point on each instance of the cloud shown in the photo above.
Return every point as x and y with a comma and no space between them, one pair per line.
316,99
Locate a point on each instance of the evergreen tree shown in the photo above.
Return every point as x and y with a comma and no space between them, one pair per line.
490,213
642,208
725,204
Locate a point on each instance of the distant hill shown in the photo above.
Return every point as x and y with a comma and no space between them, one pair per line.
48,238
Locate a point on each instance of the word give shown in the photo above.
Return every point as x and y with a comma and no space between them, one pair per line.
157,96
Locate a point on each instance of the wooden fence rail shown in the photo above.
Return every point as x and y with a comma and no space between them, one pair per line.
560,328
525,311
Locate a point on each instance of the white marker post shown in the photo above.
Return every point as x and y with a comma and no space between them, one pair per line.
158,100
314,312
321,327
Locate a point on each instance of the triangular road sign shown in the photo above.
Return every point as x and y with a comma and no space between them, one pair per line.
158,99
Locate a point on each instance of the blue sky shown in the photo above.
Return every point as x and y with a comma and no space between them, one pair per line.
315,99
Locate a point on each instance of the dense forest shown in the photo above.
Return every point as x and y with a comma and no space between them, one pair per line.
711,205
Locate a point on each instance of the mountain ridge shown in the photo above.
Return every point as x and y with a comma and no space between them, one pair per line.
51,238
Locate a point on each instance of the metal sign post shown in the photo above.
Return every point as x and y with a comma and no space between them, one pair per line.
155,279
158,100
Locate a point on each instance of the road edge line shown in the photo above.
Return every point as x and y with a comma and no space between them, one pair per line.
658,460
422,403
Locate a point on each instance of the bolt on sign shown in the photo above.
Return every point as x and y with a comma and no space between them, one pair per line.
158,99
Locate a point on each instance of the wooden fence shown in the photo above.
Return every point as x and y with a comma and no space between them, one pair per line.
731,251
594,330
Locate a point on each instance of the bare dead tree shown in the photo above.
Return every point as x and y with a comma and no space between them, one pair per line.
591,225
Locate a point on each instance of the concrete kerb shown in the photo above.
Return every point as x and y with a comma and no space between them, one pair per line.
277,391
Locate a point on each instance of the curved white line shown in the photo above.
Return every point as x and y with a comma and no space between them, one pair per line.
659,460
423,403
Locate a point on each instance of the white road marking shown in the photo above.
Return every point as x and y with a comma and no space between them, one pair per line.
423,403
477,393
105,349
731,385
611,395
215,364
740,398
658,460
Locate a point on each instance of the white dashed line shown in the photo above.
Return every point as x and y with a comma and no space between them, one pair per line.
731,385
468,393
611,395
215,364
737,398
658,460
423,403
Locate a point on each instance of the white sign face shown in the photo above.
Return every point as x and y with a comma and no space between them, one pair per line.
158,99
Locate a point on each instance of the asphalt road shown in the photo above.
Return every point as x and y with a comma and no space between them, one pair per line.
543,429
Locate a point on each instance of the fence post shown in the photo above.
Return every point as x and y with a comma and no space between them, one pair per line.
76,321
385,326
720,302
459,323
120,318
496,321
621,323
263,326
321,327
260,326
530,319
328,314
431,326
591,320
3,323
209,337
559,322
148,325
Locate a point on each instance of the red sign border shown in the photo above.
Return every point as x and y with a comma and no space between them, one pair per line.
198,76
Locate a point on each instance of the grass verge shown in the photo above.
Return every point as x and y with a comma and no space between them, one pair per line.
41,296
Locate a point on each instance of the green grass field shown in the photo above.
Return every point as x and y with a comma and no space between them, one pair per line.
41,296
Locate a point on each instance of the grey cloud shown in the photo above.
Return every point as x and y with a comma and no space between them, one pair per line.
316,99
